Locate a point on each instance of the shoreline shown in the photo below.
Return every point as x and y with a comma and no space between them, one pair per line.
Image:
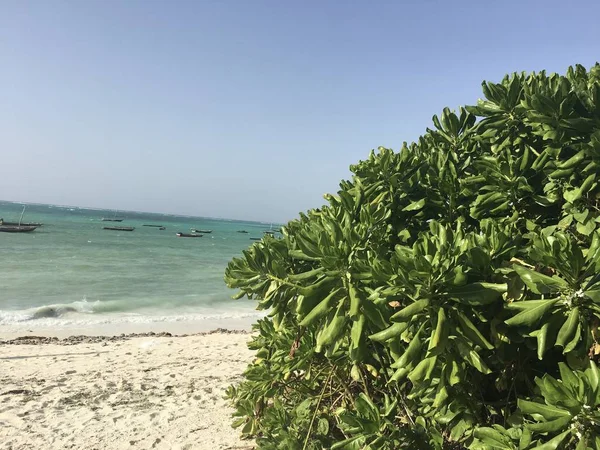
130,391
91,339
175,328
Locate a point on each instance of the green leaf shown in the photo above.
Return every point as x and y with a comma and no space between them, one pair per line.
439,334
572,344
414,206
356,338
471,332
472,357
553,444
391,332
454,376
573,195
322,426
542,339
352,443
299,254
441,395
407,313
374,315
539,283
332,330
306,275
567,331
525,439
551,426
593,376
546,411
459,430
568,377
423,370
533,312
355,301
593,294
492,439
556,393
412,352
587,228
321,309
478,293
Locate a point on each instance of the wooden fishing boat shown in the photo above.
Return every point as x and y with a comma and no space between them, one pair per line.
17,224
243,231
255,239
113,219
188,235
272,231
154,226
194,230
120,228
17,228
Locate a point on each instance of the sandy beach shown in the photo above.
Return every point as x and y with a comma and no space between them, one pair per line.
126,392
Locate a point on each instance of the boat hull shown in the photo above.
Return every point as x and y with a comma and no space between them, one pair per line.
16,228
120,228
23,224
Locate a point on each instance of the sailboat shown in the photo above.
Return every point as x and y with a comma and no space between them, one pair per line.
12,227
24,224
271,232
113,219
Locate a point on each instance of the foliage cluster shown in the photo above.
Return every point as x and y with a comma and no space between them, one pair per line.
449,295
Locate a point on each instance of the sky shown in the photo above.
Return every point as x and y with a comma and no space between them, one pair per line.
246,109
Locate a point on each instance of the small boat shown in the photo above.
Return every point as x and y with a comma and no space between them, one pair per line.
20,226
272,231
154,226
17,228
17,224
243,231
194,230
189,235
113,219
120,228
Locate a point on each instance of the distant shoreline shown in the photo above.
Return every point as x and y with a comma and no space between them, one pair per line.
133,211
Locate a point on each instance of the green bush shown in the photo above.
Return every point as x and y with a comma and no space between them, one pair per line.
449,295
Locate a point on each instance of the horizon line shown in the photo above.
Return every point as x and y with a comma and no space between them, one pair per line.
141,212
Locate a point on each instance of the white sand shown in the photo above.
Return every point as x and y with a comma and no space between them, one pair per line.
141,393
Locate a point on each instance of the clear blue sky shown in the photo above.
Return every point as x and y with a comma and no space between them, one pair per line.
246,109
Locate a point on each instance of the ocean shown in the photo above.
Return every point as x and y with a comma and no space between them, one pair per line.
71,274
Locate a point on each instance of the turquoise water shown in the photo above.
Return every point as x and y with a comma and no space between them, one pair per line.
72,272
